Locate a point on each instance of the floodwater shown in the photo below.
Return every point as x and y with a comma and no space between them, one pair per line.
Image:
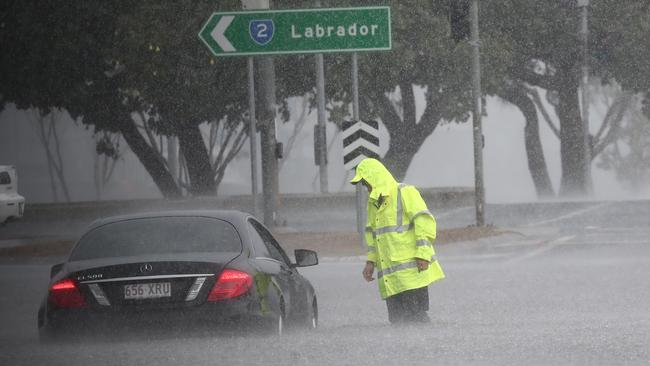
567,285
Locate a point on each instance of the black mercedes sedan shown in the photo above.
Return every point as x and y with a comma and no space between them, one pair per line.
177,267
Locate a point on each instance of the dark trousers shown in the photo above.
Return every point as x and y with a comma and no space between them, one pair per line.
409,306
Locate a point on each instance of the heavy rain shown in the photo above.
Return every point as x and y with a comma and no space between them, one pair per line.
193,183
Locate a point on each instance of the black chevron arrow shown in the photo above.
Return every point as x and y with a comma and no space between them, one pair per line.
359,151
361,134
348,124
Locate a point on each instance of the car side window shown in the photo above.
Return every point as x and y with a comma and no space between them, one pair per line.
5,178
258,242
270,243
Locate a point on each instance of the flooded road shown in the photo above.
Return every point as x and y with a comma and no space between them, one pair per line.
568,288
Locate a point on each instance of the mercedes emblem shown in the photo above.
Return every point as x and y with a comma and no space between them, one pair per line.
145,268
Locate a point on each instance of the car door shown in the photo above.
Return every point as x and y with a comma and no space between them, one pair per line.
298,288
287,278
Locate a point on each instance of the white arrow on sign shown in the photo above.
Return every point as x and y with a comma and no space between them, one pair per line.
359,126
218,33
360,140
361,143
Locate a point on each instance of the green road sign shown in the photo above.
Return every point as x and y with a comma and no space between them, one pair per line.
298,31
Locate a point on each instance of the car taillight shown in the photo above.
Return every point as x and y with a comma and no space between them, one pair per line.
231,284
66,294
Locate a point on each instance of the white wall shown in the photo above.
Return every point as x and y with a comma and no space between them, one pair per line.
446,159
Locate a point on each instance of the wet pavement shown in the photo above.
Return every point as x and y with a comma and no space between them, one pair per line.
569,285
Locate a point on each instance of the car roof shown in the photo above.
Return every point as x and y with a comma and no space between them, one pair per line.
232,216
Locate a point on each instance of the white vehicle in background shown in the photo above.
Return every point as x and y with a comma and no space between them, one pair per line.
12,204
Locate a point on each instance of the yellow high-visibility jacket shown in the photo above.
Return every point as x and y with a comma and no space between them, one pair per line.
400,229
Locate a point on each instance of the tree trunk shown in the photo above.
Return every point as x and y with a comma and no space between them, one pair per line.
534,152
198,161
406,135
150,160
574,178
404,144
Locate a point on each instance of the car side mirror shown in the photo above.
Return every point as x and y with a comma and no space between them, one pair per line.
305,258
56,269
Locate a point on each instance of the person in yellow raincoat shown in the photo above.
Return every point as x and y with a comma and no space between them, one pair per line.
400,235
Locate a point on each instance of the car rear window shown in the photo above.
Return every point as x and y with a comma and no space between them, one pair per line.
5,178
160,235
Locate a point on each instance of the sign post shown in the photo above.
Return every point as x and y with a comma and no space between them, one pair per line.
584,86
321,149
360,198
252,133
360,141
479,188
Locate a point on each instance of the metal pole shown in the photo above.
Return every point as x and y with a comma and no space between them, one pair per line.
360,193
322,128
270,177
355,86
584,86
322,149
268,143
479,189
252,133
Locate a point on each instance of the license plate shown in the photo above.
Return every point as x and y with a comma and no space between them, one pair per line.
147,290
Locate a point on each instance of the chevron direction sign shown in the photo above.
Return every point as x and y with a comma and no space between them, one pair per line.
360,141
298,31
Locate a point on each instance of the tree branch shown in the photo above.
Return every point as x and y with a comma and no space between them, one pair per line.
389,115
429,120
529,76
151,139
236,147
615,113
614,122
224,145
212,141
48,154
59,168
408,103
534,94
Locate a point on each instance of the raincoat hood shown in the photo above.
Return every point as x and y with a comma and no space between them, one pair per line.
377,176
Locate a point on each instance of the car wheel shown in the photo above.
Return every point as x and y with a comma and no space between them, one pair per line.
313,317
280,326
279,330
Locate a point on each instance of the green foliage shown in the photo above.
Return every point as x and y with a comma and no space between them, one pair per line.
547,32
547,52
75,53
622,49
172,71
46,59
105,61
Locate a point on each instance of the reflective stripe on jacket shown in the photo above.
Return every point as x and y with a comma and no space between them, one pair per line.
400,230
